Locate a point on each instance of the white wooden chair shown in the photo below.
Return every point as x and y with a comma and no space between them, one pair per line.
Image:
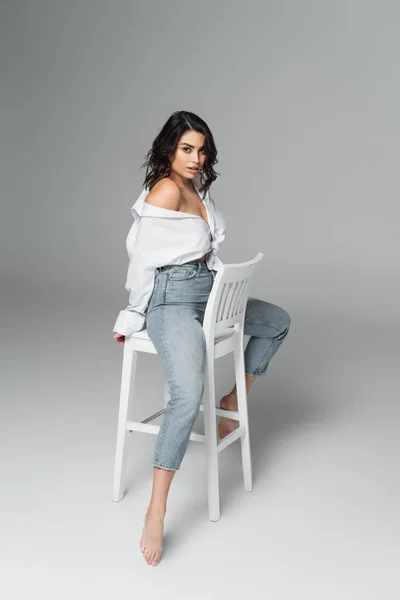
223,329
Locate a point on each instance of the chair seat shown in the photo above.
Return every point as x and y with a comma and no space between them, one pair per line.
222,335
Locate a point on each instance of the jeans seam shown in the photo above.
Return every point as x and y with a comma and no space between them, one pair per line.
162,331
270,326
153,294
169,278
191,276
257,370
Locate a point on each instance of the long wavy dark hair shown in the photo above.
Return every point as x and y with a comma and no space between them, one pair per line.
158,158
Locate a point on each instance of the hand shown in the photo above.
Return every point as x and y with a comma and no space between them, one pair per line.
120,339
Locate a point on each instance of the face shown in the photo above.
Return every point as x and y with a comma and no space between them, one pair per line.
190,152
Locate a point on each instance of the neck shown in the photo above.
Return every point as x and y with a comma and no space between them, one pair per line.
183,182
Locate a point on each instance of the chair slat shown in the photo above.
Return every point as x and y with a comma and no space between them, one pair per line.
228,301
233,299
221,305
243,295
237,300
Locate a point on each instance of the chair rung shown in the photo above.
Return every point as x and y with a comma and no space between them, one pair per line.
152,417
154,429
224,412
142,427
220,412
231,437
197,437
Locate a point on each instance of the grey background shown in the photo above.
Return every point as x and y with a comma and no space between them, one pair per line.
302,99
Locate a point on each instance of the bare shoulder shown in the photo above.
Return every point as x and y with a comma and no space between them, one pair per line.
165,194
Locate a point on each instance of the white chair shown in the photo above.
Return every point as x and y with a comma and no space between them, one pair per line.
223,329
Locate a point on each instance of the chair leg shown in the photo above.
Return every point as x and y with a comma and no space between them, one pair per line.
127,386
240,377
210,430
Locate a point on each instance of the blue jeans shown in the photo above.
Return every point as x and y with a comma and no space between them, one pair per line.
174,322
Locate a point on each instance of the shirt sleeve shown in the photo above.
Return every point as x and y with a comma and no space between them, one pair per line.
220,225
149,246
139,284
141,245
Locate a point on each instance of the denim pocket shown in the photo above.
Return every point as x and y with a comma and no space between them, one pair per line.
182,272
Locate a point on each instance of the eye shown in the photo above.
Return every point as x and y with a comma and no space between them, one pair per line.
187,148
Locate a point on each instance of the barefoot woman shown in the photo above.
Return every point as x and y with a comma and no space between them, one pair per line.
172,247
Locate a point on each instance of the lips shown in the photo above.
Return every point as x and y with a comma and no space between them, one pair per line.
193,168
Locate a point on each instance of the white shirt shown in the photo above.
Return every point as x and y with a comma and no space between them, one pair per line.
162,236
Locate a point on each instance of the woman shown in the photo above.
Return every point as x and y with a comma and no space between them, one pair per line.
172,247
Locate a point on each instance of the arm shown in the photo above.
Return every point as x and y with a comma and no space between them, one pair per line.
146,244
139,284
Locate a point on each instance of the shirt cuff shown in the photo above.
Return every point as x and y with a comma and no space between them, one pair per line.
129,322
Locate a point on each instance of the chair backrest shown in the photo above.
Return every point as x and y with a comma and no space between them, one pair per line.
227,301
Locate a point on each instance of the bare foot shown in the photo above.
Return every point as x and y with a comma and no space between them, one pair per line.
225,425
151,542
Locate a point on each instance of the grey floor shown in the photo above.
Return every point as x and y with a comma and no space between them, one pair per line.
321,522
